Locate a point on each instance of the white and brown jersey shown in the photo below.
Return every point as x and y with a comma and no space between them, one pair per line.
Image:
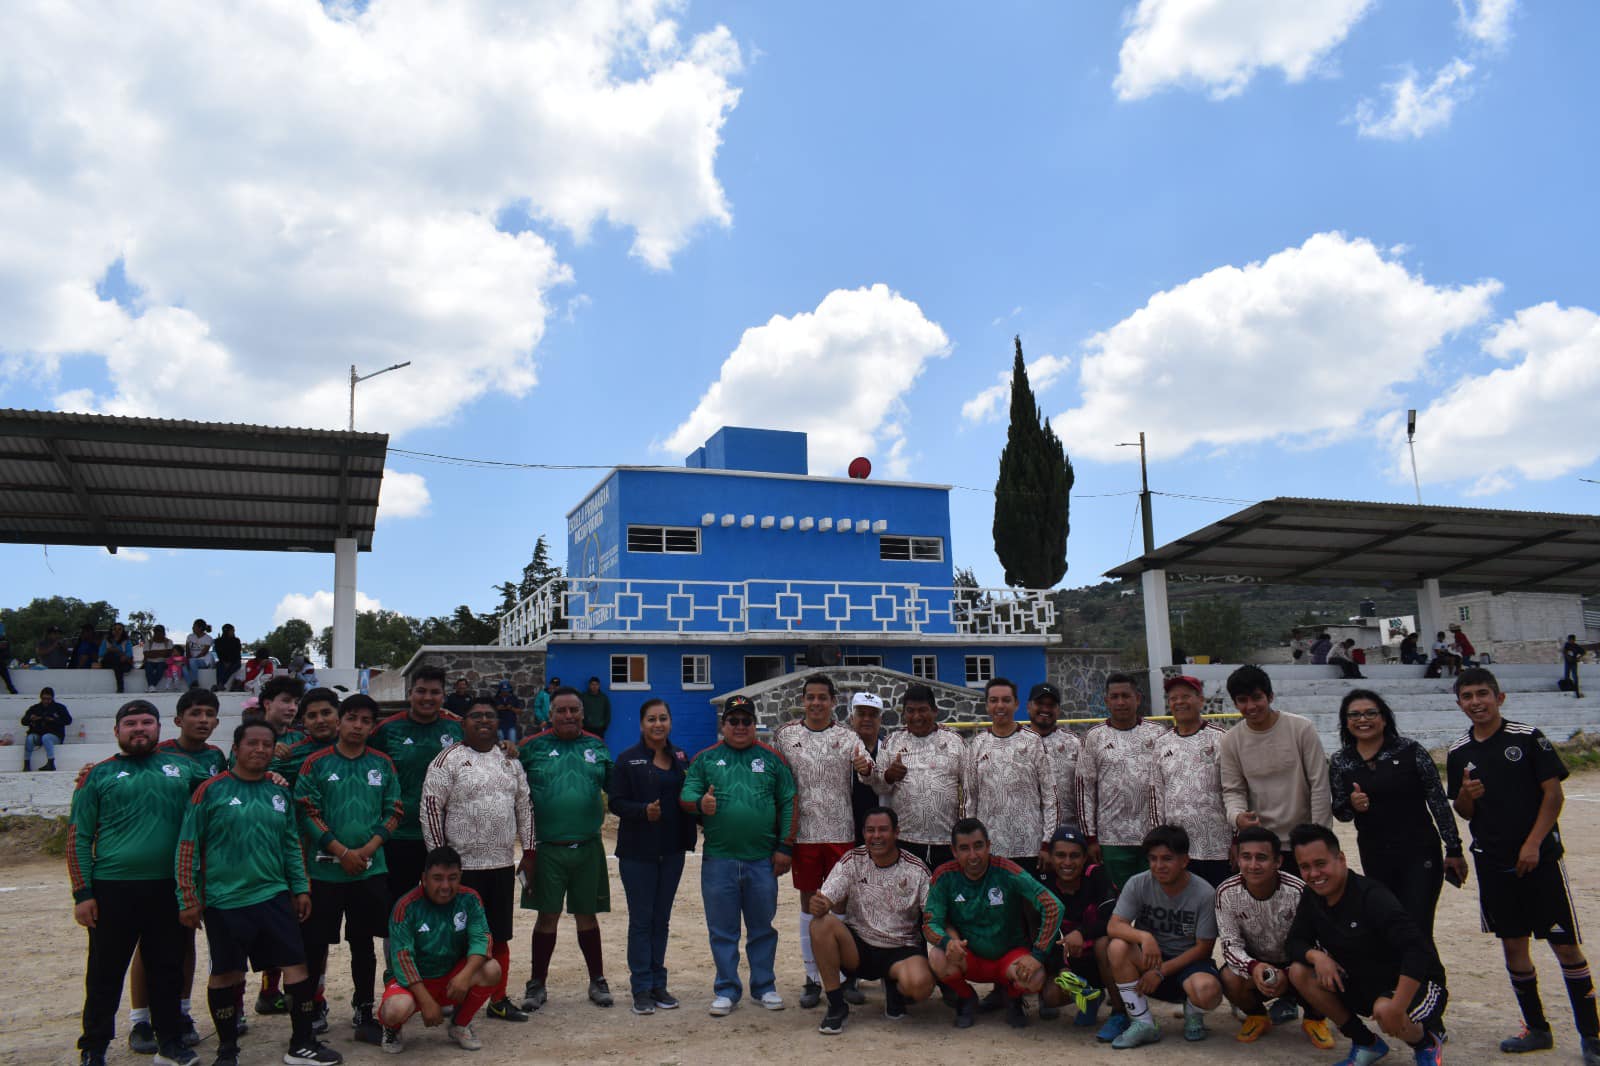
1186,790
1011,788
928,799
1064,749
1114,783
477,802
823,764
883,904
1256,930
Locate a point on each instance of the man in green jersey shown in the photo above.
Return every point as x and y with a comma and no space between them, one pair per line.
568,771
319,717
122,835
439,954
412,739
745,796
348,797
240,868
977,925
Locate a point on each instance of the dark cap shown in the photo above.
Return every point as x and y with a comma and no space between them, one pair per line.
1044,691
740,704
1183,679
137,707
1068,834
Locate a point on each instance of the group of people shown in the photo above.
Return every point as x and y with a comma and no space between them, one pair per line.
510,707
1063,871
163,661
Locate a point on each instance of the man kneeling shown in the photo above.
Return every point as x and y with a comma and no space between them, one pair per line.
1355,951
977,925
439,953
881,891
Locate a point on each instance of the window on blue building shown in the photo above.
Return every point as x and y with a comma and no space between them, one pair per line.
911,549
980,668
925,667
697,671
630,671
669,540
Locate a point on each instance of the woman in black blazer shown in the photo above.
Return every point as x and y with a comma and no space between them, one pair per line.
653,835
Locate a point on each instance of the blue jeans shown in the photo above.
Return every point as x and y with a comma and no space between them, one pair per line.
154,671
47,741
192,668
733,888
650,885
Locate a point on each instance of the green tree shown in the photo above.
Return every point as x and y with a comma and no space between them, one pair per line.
292,636
1216,627
383,638
538,571
1031,492
139,624
509,595
26,625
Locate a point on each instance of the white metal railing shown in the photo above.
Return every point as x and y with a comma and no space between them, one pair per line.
768,606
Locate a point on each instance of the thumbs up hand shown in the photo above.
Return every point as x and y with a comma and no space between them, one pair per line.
1359,799
862,764
1471,787
652,811
896,769
708,802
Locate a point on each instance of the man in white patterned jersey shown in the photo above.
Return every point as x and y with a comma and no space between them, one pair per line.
921,773
1186,781
1114,782
869,923
1255,909
826,758
1062,745
1011,787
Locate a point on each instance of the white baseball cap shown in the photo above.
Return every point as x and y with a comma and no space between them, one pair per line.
866,699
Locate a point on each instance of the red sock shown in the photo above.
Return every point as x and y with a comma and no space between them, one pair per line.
544,945
959,983
589,944
502,955
476,997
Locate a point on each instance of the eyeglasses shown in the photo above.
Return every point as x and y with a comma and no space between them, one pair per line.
1354,715
739,721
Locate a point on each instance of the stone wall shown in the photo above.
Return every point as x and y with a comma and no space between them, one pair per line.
483,667
778,700
1080,674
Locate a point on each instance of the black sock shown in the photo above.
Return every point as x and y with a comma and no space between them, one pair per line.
363,971
224,1004
836,998
302,1011
1580,990
1357,1031
1526,987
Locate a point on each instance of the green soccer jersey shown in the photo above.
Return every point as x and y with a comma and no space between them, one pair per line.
239,845
427,940
989,913
412,746
125,820
566,782
755,801
211,760
348,800
299,751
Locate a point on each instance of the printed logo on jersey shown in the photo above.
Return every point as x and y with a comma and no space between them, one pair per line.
1544,742
461,921
588,755
722,762
170,770
996,897
407,742
375,778
236,802
423,928
279,804
758,766
445,741
961,897
122,774
1514,753
334,776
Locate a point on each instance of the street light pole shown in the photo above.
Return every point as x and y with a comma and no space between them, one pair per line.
1411,442
356,379
1144,496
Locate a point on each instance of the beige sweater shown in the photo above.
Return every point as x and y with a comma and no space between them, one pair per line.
1281,774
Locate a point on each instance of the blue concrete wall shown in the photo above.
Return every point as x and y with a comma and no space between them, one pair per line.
595,533
775,451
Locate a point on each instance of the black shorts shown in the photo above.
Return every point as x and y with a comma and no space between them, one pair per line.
262,936
362,907
1085,966
1212,871
404,859
497,887
1538,904
1427,1006
1170,990
933,856
875,962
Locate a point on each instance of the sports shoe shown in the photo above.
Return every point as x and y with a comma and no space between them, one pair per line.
391,1043
833,1021
315,1053
664,999
272,1003
365,1026
175,1053
224,1058
600,993
1016,1012
852,994
966,1012
771,1000
1254,1028
1431,1053
533,994
894,1004
1138,1034
465,1038
142,1039
643,1004
189,1034
810,994
506,1011
722,1006
1283,1010
92,1058
1591,1051
242,1026
1114,1027
1365,1056
1194,1026
1318,1032
1528,1040
319,1024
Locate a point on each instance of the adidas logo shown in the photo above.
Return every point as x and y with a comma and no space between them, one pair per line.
122,773
235,802
961,897
408,742
423,928
1557,928
333,777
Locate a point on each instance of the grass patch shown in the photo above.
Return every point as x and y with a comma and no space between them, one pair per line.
21,835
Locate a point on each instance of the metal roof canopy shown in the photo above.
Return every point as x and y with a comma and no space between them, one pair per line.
1289,541
161,483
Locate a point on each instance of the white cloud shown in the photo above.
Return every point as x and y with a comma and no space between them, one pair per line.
1219,45
1530,418
1299,347
1042,373
403,495
1487,22
293,189
1413,111
316,608
837,373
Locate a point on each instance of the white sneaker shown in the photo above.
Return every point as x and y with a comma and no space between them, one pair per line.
771,1000
465,1038
721,1007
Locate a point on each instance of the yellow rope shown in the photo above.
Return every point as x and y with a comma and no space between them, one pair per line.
1090,721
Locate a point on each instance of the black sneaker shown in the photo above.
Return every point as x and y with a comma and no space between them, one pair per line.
948,994
174,1053
600,993
833,1021
894,1004
506,1011
224,1058
1016,1013
852,994
1591,1051
189,1035
1528,1040
90,1058
643,1004
810,994
392,1043
966,1012
995,1000
664,999
365,1026
319,1024
142,1039
315,1053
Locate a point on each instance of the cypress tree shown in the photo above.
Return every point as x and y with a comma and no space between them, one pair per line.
1031,492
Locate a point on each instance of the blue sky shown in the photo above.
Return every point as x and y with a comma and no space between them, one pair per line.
1256,233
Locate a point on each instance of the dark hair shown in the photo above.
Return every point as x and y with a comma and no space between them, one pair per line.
316,695
1000,682
443,855
565,690
653,701
819,679
894,819
52,692
964,826
1476,675
593,678
429,673
1311,833
1175,837
1390,730
195,697
360,701
200,622
252,723
1118,677
282,685
1259,834
482,699
1248,679
918,694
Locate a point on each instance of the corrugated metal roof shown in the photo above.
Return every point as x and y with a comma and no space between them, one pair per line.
168,483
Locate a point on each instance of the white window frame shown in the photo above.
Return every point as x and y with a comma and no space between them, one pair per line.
917,549
630,685
985,668
862,660
929,665
695,667
662,531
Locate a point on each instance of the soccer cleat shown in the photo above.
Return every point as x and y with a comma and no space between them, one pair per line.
894,1004
506,1011
1016,1012
533,994
722,1006
966,1012
1365,1056
142,1039
852,994
1431,1053
1194,1026
1319,1032
189,1035
1138,1034
664,999
319,1024
1254,1028
1284,1010
314,1053
600,993
392,1044
175,1053
1591,1051
1114,1027
1528,1040
833,1021
272,1003
465,1038
1082,992
643,1004
810,994
771,1000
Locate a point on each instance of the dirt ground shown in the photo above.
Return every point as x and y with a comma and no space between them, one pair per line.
39,1014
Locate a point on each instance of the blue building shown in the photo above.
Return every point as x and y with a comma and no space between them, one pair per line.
692,582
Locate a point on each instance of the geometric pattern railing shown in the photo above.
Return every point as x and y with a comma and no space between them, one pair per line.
768,606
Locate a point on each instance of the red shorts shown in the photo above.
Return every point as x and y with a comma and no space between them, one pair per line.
436,987
812,863
991,971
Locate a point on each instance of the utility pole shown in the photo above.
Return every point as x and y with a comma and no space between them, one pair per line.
1411,442
1144,496
356,379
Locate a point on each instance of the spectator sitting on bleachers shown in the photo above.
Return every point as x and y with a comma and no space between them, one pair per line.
1444,658
229,653
1466,654
157,650
196,652
5,660
258,670
86,652
1340,655
51,652
116,652
46,723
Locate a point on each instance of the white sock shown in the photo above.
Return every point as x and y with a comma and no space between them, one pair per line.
138,1014
806,956
1192,1011
1133,1001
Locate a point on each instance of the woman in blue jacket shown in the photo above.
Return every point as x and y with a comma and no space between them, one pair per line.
653,835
